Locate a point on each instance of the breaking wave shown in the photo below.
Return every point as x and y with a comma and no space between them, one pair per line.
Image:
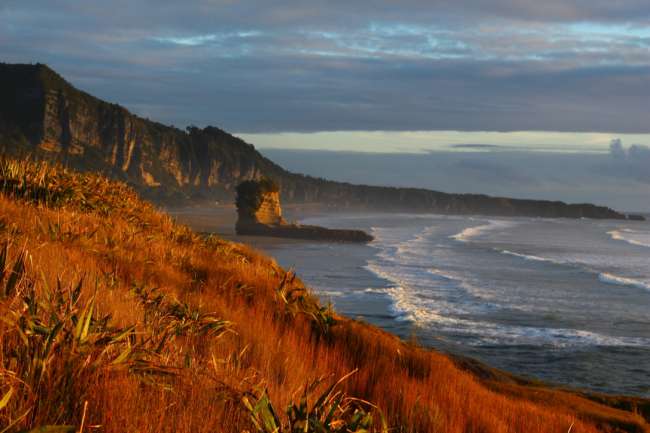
471,232
603,277
633,237
528,257
623,281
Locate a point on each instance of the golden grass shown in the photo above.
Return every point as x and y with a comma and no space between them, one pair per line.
233,323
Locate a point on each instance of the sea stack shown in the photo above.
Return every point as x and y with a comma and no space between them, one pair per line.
259,214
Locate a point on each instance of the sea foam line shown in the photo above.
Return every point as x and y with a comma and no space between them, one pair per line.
528,257
603,277
406,306
618,235
623,281
471,232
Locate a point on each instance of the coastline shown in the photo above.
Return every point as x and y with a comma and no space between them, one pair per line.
245,311
341,274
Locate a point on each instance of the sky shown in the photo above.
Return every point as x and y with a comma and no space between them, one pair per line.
409,76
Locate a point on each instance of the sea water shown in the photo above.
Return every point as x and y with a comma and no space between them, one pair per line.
565,301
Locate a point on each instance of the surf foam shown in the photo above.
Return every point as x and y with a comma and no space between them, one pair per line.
640,239
527,257
623,281
471,232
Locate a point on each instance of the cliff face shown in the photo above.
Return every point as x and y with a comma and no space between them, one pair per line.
269,211
47,117
44,116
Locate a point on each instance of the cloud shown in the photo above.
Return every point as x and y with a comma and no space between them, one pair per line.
632,162
250,66
478,146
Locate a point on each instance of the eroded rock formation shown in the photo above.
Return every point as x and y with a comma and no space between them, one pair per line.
259,214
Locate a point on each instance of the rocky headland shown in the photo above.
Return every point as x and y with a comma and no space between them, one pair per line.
259,214
44,117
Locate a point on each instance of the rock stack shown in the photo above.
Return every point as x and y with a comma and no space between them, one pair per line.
259,214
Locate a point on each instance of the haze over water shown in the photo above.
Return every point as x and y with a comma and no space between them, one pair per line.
566,301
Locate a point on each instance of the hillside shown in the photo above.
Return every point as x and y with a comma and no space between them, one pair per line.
42,115
115,319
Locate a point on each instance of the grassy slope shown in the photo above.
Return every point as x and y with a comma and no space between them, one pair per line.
236,323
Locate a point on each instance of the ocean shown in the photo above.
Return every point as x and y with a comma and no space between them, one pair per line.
564,301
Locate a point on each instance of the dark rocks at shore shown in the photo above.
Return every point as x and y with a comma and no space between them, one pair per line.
297,231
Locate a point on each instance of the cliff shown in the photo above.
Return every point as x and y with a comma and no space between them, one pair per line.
259,214
43,116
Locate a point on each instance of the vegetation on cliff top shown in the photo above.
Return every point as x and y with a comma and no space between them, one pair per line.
115,319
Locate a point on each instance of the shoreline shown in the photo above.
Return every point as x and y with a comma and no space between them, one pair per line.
220,218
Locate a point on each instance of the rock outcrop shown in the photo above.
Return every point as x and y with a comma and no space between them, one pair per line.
259,214
43,116
269,211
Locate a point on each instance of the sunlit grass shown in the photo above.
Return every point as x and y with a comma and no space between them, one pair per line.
114,314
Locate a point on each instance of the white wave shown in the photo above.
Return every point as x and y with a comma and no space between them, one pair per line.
472,232
374,290
623,281
329,293
375,232
441,274
418,245
604,277
469,232
491,333
407,305
528,257
641,239
452,304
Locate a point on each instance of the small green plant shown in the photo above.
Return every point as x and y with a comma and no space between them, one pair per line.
167,319
298,300
331,412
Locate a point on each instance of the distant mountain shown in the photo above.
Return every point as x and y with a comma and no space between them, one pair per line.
43,116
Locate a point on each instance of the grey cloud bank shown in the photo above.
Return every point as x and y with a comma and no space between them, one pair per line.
366,65
632,162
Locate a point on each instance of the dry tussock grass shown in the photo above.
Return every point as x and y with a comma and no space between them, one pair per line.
184,332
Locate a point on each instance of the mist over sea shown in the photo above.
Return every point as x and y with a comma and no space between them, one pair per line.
565,301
